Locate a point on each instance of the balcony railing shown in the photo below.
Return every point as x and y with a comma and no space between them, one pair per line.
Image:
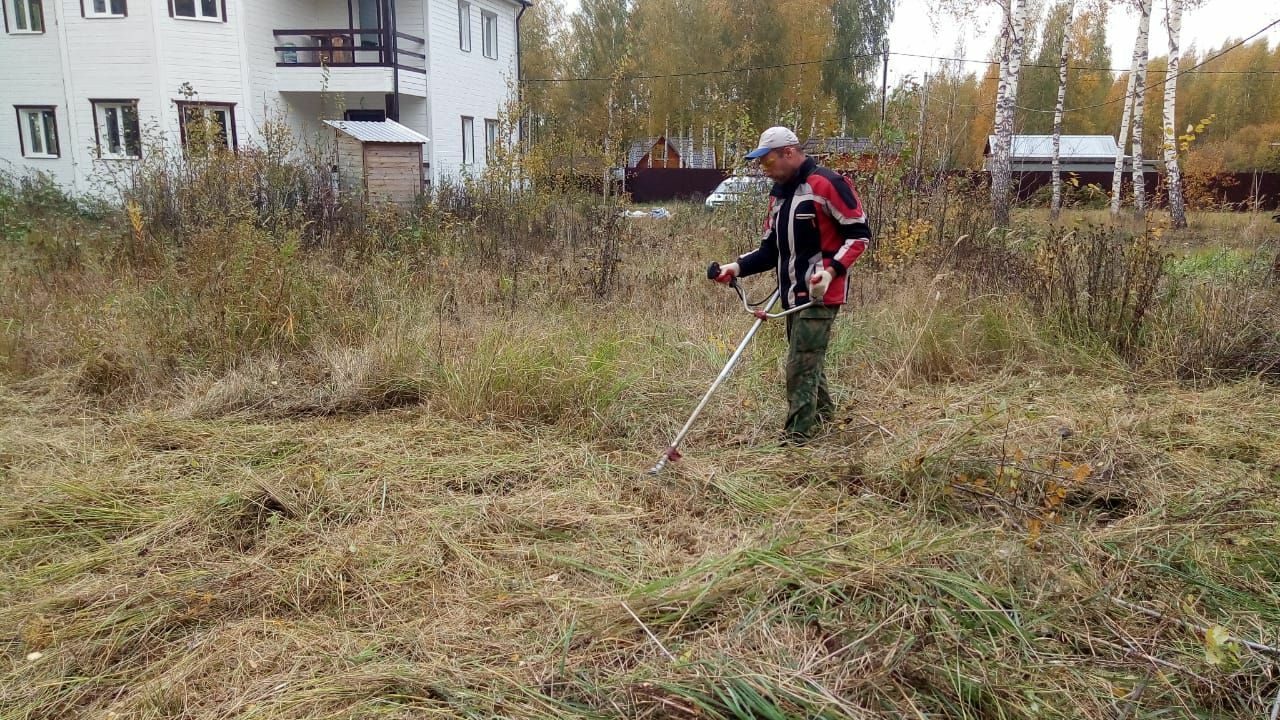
350,47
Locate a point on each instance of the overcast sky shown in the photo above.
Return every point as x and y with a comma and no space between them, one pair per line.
915,30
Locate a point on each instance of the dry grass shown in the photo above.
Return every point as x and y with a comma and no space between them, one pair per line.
428,502
405,562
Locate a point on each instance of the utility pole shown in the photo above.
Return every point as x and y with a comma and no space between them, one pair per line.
884,87
916,177
876,177
924,100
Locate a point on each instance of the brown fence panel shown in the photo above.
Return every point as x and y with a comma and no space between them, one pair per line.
664,184
1228,191
1239,191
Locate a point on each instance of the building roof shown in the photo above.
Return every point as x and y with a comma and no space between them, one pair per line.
692,157
838,146
1074,147
385,131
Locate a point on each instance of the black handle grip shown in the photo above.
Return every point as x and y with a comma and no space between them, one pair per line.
713,271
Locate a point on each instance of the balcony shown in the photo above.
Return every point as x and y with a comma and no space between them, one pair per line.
355,60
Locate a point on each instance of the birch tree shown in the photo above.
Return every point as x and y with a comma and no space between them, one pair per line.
1014,39
1139,60
1055,207
1141,53
1177,206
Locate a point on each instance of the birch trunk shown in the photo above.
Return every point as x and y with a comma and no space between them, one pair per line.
1055,208
1177,206
1117,178
1001,162
1140,57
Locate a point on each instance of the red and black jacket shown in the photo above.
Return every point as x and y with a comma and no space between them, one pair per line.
815,221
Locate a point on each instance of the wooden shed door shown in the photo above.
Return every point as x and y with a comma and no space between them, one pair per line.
393,172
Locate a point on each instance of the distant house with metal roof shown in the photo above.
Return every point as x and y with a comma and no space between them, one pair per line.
838,146
1077,154
673,152
861,154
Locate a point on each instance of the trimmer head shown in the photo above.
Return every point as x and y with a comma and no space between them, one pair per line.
670,455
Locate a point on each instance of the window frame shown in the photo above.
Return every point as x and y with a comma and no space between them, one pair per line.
7,5
464,25
233,141
99,118
354,115
24,135
87,10
220,11
491,131
489,20
468,140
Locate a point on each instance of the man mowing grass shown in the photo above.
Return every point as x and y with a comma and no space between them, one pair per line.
814,230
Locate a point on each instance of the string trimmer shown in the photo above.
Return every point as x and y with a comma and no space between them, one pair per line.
761,313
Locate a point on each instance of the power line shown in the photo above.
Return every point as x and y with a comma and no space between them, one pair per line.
860,56
1167,78
721,71
1090,68
1146,87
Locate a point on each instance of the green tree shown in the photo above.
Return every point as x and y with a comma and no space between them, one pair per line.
859,28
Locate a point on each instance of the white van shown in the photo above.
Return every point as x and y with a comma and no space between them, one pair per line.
738,188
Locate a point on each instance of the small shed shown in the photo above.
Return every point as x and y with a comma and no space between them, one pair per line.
382,161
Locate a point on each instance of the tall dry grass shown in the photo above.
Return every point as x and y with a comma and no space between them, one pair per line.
396,473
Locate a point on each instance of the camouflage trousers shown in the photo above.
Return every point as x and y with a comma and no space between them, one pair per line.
809,402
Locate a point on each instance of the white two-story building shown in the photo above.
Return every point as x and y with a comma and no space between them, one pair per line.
89,80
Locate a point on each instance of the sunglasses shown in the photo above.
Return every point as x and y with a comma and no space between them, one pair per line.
769,158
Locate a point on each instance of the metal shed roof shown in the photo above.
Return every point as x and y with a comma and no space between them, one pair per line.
838,146
385,131
1073,146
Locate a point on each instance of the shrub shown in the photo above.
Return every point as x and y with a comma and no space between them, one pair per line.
280,185
1098,282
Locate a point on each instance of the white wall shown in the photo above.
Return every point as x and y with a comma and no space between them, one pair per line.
148,56
263,102
31,74
207,56
76,60
466,83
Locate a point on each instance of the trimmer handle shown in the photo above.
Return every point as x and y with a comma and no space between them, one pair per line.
713,273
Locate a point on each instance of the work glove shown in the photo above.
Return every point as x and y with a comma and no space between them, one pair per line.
818,284
728,273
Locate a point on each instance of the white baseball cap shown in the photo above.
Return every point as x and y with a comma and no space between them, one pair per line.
773,138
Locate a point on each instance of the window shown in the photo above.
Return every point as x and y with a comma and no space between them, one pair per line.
369,17
206,125
365,115
24,16
115,123
468,140
38,132
490,139
489,25
464,25
103,8
195,9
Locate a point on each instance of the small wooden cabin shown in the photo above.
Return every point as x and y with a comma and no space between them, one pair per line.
382,161
673,152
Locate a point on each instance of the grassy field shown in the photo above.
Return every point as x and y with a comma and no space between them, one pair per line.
242,479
